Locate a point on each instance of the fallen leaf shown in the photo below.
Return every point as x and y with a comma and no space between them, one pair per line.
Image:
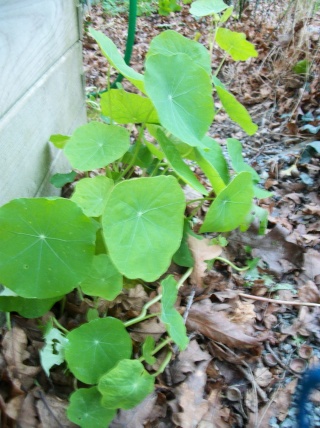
14,351
151,327
216,325
309,293
52,411
217,415
189,398
201,250
263,376
311,264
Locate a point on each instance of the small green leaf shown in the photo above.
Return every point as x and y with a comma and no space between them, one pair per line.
59,180
95,145
53,351
142,225
170,42
180,167
126,385
86,411
181,92
112,54
103,280
183,257
231,206
212,152
170,316
226,14
91,194
147,348
260,193
46,246
96,347
28,308
235,110
207,7
59,141
235,44
238,164
124,107
301,67
211,172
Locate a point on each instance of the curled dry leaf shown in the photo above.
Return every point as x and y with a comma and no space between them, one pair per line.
201,251
217,326
14,351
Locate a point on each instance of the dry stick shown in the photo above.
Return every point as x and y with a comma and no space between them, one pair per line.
278,302
281,364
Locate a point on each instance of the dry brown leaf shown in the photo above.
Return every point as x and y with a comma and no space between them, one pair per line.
185,363
151,327
14,351
52,411
309,292
217,326
217,415
189,398
201,251
263,376
138,416
311,263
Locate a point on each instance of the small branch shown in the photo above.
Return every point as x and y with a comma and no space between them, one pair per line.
281,364
278,302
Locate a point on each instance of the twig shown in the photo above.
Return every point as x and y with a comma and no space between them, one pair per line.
278,302
279,361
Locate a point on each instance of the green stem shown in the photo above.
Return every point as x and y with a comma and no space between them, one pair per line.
135,154
222,259
184,277
56,322
8,320
143,314
163,365
221,64
162,345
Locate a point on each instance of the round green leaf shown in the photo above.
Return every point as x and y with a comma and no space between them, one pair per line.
95,145
91,194
143,225
231,206
181,92
170,42
96,347
46,246
126,385
207,7
104,280
86,411
235,44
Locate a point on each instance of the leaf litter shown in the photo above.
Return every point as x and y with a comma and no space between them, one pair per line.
244,357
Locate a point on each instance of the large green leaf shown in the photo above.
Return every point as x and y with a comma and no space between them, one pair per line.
96,347
91,194
170,42
238,164
236,111
181,91
126,385
170,316
143,224
124,107
231,206
103,280
110,51
28,308
86,411
95,145
207,7
180,167
235,44
46,246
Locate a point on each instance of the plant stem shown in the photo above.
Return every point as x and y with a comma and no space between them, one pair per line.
143,314
8,320
135,154
56,322
162,345
222,259
164,364
184,277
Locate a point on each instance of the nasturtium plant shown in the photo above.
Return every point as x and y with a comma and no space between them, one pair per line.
126,385
103,280
95,145
91,194
170,316
86,411
143,224
47,246
127,218
96,347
